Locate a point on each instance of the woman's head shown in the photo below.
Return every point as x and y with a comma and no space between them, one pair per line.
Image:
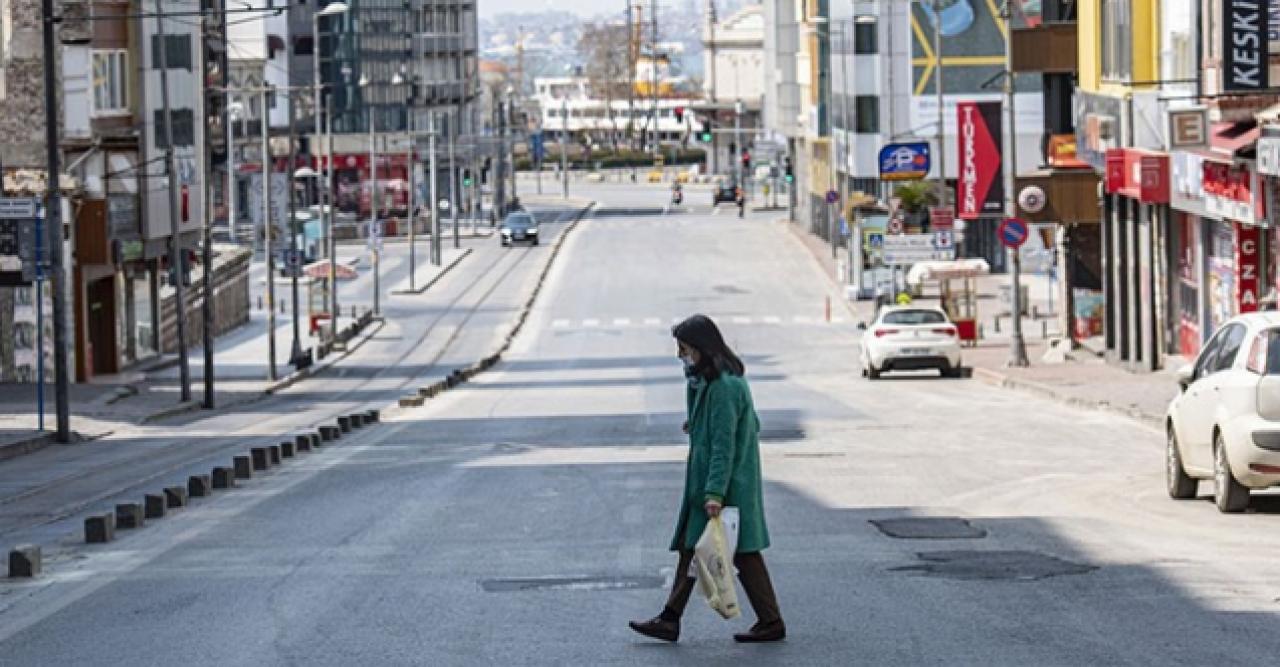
698,340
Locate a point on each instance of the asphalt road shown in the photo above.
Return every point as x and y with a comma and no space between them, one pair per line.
524,518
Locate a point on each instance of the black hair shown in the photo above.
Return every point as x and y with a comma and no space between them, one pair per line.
714,355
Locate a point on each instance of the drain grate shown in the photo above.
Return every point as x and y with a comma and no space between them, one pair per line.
929,528
993,565
584,583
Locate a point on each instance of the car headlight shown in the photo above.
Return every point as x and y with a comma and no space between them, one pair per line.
533,230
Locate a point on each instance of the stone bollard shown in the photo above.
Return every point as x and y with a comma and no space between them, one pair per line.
224,478
261,458
243,467
412,401
357,420
274,451
199,486
330,433
344,423
286,449
303,442
175,496
372,417
316,439
155,506
100,528
24,561
130,515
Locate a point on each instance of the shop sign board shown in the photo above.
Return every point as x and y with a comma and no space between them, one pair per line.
980,186
1229,192
1245,26
1188,128
1247,267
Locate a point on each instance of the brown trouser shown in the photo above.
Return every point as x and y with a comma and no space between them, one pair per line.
751,572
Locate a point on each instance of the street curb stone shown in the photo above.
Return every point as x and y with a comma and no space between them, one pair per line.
24,561
1005,381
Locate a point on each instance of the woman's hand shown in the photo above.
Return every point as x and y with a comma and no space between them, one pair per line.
685,427
713,508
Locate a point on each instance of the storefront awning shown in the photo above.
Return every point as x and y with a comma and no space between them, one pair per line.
1230,140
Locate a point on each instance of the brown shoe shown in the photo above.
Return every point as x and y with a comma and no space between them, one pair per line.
657,628
763,632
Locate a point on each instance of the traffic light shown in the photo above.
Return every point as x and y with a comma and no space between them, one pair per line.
705,135
788,174
746,159
679,114
466,178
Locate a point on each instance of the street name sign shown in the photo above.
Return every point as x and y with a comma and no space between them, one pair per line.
912,248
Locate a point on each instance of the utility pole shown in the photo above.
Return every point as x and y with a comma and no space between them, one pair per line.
711,41
564,140
454,204
431,186
53,215
631,79
373,204
206,196
295,353
171,171
268,231
653,62
943,197
511,155
327,199
1017,346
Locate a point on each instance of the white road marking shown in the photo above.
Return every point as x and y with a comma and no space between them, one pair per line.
652,322
802,319
742,320
621,322
591,323
837,320
560,324
773,320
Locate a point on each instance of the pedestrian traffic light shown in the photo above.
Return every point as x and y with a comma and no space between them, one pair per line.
789,175
679,111
746,159
466,178
705,135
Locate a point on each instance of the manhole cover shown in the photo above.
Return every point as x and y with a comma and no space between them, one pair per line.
929,528
993,565
569,584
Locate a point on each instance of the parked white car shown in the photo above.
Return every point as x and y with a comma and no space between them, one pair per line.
911,338
1225,424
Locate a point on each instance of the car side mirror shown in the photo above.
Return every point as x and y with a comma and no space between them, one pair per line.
1185,375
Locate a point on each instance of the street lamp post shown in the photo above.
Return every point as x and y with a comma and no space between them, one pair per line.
1017,346
373,202
331,9
453,179
268,231
564,141
943,198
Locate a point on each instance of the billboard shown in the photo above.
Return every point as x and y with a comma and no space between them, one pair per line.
980,184
1245,36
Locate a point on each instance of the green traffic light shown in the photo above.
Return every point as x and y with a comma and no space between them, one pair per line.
706,137
790,178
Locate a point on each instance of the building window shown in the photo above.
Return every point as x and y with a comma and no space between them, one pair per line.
184,129
110,81
177,52
303,46
866,114
1117,27
865,35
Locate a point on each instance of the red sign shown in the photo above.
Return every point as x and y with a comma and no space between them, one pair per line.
1138,174
941,218
980,191
1061,152
1247,267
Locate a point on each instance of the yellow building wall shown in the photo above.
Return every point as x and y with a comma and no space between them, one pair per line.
1144,43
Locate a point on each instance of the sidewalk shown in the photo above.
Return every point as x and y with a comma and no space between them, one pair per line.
1083,379
151,392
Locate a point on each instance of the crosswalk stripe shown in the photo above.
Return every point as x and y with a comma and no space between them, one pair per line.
742,320
560,324
621,322
652,322
802,319
773,320
591,323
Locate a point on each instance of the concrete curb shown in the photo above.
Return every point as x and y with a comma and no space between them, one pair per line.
179,409
1004,381
462,375
443,272
12,450
793,230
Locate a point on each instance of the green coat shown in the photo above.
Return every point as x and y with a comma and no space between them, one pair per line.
724,463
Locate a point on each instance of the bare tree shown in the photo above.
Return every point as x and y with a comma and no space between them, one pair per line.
602,48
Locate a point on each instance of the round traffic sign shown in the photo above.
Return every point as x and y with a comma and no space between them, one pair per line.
832,196
1013,233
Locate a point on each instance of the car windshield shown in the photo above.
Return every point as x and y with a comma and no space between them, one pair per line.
521,221
914,317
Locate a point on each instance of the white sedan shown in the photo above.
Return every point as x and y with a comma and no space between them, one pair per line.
1225,424
911,338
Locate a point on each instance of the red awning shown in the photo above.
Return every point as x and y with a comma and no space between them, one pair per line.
1228,139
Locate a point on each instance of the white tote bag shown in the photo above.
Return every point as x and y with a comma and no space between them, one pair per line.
713,563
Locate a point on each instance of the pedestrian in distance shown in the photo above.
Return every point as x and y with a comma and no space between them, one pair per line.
742,200
723,470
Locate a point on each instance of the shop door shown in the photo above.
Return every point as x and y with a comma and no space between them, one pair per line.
101,306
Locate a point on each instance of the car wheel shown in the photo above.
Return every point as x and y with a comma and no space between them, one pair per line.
873,373
1181,486
535,242
1229,495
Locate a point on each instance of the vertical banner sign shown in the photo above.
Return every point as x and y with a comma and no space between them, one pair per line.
1247,267
1246,47
980,187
